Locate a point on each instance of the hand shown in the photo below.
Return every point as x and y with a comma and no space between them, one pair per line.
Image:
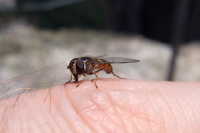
118,105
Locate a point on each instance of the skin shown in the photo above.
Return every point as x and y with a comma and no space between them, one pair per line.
118,105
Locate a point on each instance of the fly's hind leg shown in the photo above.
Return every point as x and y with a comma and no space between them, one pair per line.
109,70
117,75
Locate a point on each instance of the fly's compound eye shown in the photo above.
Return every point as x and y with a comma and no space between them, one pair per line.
79,66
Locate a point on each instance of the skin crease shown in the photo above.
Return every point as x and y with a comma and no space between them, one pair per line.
117,106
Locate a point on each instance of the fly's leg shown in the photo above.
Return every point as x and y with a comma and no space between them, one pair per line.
76,79
108,69
95,80
69,79
117,75
95,72
96,77
81,81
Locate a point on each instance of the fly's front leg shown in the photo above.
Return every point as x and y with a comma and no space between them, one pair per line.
69,79
81,81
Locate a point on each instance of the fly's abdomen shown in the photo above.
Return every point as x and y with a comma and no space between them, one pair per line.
105,67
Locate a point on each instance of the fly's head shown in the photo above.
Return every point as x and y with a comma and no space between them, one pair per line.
76,66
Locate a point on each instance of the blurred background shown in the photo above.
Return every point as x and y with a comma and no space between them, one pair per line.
163,35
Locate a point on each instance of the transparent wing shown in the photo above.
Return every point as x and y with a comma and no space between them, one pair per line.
100,57
40,79
96,57
116,60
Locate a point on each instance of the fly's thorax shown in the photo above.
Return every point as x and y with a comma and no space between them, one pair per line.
87,63
89,67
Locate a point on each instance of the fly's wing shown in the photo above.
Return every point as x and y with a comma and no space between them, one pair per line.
115,60
95,57
100,57
40,79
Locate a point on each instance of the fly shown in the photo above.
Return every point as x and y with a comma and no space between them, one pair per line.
88,65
